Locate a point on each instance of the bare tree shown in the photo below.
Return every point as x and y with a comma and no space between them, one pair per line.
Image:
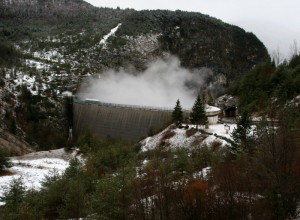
294,49
277,56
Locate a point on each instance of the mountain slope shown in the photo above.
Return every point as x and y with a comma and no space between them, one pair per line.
48,47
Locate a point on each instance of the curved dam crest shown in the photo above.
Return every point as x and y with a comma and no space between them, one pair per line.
127,122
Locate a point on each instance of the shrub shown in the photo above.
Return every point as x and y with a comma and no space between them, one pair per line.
4,160
167,135
190,132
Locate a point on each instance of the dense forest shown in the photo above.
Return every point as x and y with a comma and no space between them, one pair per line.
268,89
257,176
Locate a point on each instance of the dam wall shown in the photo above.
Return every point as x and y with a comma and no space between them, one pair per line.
125,122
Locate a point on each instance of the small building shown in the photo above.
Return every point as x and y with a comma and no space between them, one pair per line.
227,104
212,114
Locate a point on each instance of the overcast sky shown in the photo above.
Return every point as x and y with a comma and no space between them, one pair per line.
275,22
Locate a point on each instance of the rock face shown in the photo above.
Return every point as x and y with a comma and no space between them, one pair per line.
13,144
228,104
199,41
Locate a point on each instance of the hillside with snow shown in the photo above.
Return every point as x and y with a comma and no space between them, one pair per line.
188,136
50,47
33,168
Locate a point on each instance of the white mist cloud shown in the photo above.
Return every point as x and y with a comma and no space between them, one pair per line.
160,85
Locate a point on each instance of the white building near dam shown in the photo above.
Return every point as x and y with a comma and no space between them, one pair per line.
212,114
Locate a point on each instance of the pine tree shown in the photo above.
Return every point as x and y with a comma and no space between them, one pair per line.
241,133
13,199
177,114
197,115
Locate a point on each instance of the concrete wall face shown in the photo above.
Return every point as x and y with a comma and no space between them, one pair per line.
117,122
212,120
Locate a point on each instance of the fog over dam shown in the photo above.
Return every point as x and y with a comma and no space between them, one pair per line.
131,117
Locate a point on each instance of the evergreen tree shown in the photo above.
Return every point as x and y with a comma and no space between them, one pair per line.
13,199
197,115
177,114
241,133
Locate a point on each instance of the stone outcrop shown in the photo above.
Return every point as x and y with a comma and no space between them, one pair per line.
13,145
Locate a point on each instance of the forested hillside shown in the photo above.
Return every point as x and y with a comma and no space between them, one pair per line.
253,173
268,89
48,47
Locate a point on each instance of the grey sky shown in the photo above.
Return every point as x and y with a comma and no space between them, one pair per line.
275,22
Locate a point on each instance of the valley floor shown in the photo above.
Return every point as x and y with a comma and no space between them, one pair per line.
34,167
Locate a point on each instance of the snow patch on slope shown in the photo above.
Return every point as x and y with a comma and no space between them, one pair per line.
38,65
51,55
111,33
179,137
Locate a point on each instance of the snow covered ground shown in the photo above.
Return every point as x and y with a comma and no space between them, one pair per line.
219,129
37,64
32,168
179,138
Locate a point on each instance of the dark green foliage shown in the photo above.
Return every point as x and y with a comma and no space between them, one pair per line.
177,114
8,54
34,116
61,196
75,202
75,169
241,135
267,88
294,62
4,160
197,116
89,143
13,199
271,91
6,50
117,42
182,163
114,191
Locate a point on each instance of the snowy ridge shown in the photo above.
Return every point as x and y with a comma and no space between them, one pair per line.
179,137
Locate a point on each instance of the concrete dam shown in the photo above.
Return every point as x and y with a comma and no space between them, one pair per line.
127,122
